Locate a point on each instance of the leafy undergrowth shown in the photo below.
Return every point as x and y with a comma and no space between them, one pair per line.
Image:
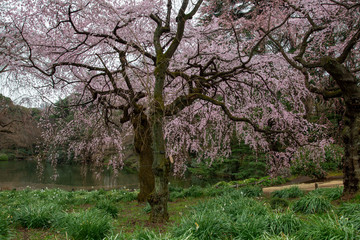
196,214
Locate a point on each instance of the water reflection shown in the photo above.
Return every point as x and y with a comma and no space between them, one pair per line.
22,174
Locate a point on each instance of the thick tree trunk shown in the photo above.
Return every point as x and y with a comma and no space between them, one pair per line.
351,160
143,144
161,165
351,132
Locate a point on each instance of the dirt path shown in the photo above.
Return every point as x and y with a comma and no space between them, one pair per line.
307,186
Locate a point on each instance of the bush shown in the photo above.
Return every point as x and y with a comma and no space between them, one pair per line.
4,157
108,207
39,215
312,203
91,224
292,192
277,203
193,191
315,162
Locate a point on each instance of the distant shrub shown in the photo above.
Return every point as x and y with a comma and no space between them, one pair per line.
278,203
315,162
264,182
38,215
193,191
291,192
4,157
312,203
91,224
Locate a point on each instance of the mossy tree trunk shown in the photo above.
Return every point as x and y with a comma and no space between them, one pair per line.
143,144
161,165
351,132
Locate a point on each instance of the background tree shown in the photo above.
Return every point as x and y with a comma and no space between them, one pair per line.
325,42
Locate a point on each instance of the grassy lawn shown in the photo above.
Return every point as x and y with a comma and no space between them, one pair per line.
196,213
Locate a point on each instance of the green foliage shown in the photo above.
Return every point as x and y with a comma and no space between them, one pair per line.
4,157
122,196
37,215
352,212
147,208
278,203
4,225
291,192
328,227
330,193
228,215
264,182
312,203
92,224
333,156
108,207
285,223
249,191
241,164
318,168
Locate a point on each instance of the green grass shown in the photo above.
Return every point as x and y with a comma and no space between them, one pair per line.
206,213
89,224
312,203
37,215
291,192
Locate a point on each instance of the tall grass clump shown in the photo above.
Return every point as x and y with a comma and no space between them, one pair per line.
92,224
4,225
328,227
330,193
285,223
38,215
279,203
312,203
268,236
291,192
108,207
225,217
352,212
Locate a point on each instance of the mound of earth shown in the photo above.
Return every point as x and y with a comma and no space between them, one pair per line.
19,133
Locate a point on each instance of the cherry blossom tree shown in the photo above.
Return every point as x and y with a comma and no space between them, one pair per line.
320,39
324,41
151,67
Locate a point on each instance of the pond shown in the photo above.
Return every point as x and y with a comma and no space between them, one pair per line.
22,174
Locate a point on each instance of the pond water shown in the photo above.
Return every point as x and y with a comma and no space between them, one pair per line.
22,174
